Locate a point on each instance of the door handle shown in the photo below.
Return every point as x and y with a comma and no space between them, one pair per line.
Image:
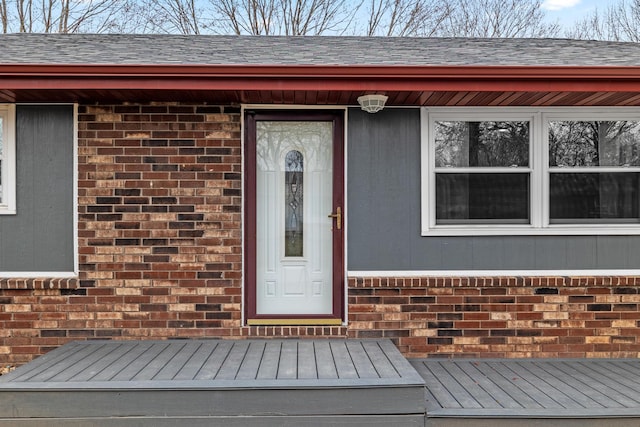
338,217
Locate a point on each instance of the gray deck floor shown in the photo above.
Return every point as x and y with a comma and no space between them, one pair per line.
310,383
580,392
215,382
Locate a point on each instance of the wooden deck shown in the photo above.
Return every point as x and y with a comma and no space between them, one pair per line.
310,383
215,382
531,392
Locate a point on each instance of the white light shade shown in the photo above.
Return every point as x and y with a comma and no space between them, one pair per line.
372,103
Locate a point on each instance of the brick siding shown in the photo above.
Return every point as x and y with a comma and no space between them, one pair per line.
160,251
160,256
500,317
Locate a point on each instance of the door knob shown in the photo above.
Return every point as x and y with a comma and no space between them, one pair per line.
338,217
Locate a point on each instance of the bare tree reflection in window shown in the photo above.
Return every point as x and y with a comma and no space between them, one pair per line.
294,170
594,143
581,195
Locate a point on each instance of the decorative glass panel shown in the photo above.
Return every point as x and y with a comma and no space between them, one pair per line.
294,169
482,144
594,197
596,143
482,198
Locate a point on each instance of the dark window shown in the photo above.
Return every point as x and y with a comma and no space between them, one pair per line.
482,198
594,197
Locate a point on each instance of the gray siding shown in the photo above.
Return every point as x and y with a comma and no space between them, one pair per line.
40,236
383,189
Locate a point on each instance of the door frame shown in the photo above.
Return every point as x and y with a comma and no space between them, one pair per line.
250,117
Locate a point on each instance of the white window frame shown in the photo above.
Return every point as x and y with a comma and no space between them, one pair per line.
539,169
8,171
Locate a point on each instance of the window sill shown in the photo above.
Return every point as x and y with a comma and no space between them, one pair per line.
551,230
43,281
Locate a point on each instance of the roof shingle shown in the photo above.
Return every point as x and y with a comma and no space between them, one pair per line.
340,51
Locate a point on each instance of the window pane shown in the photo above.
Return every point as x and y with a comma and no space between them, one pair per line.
294,169
610,143
482,144
482,198
594,197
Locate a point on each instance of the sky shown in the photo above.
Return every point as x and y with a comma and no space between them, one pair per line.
569,11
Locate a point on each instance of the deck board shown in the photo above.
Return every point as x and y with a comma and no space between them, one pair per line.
159,362
307,367
190,369
42,363
112,369
493,389
400,364
438,395
378,357
326,363
212,365
100,365
563,396
171,369
128,371
231,365
70,361
288,365
360,358
251,363
585,391
628,369
521,390
601,389
266,380
344,363
521,398
270,360
529,387
619,379
455,387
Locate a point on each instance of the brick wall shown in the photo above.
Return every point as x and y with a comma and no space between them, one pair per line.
160,256
500,317
159,220
159,200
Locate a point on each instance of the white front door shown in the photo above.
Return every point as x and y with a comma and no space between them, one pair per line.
294,187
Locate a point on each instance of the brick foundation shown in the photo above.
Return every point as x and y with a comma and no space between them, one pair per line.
442,317
500,317
160,256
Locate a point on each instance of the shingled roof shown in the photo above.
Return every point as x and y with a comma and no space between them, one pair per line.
317,70
340,51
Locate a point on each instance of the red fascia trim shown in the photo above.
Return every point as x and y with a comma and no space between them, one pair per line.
307,77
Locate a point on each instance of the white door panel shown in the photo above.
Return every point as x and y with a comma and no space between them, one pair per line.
293,236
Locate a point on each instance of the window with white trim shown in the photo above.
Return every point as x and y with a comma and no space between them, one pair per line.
7,160
525,171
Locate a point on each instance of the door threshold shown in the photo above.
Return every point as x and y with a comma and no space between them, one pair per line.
288,322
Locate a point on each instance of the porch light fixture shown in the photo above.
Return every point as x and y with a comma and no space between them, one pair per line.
372,103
